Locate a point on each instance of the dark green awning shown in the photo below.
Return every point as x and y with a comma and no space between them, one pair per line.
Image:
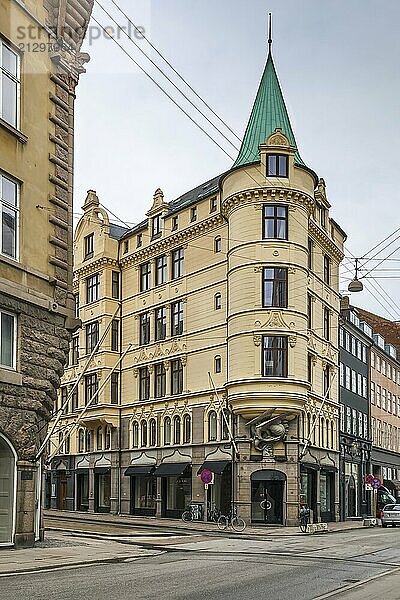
166,469
133,470
102,470
215,466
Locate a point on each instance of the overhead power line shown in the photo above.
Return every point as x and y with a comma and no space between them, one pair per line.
175,71
162,72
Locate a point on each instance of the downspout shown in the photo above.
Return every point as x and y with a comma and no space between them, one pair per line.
119,383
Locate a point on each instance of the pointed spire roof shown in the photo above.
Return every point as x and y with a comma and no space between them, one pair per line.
269,112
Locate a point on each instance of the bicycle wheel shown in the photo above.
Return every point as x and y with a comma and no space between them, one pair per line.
238,524
303,524
222,522
187,516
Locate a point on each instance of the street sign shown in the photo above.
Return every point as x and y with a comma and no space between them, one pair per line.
368,487
376,483
369,478
207,476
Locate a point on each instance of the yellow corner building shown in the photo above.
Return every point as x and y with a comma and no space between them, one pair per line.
209,342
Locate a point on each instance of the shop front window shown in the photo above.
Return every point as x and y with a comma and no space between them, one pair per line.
144,494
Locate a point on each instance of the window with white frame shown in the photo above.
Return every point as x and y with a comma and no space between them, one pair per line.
365,426
348,378
8,332
354,424
9,217
342,419
9,84
348,419
372,395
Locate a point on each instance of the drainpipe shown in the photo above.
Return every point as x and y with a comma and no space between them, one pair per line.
119,383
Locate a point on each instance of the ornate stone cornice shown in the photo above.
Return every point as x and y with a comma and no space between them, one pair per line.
89,268
293,197
325,240
172,241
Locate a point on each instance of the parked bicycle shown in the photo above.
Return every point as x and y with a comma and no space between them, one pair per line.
213,514
192,513
233,520
304,515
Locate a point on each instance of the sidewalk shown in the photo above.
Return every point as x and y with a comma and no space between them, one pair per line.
177,524
61,551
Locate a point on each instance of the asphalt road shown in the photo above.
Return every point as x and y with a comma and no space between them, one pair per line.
361,564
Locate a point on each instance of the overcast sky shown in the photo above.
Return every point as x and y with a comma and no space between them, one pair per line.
338,64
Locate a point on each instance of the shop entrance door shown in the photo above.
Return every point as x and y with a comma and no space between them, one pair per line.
351,497
82,491
102,490
7,496
62,490
267,497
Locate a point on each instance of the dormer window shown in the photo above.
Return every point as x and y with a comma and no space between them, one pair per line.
213,204
322,214
156,227
277,165
89,246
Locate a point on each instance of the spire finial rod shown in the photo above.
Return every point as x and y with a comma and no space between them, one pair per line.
269,31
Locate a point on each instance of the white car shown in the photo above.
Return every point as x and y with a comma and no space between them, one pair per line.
390,515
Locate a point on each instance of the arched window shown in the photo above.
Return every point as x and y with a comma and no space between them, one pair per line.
217,244
107,438
212,426
135,434
88,441
143,432
224,424
322,432
187,426
314,430
67,444
167,431
153,432
99,438
81,441
60,443
308,425
177,430
217,364
217,301
333,445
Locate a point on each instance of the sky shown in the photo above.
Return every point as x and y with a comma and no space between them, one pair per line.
337,62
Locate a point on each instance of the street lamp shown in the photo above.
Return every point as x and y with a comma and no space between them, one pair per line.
355,284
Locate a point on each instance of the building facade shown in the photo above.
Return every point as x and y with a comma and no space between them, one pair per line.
385,401
209,339
355,340
40,64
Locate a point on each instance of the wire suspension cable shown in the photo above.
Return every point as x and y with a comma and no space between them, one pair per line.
59,414
75,423
175,71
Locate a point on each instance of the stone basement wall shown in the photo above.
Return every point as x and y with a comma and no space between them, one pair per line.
26,407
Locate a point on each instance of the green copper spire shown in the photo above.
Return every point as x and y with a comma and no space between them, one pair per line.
269,112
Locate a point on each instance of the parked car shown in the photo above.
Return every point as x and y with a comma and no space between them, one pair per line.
390,515
384,497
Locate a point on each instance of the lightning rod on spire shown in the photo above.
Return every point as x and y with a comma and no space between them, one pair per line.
269,31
